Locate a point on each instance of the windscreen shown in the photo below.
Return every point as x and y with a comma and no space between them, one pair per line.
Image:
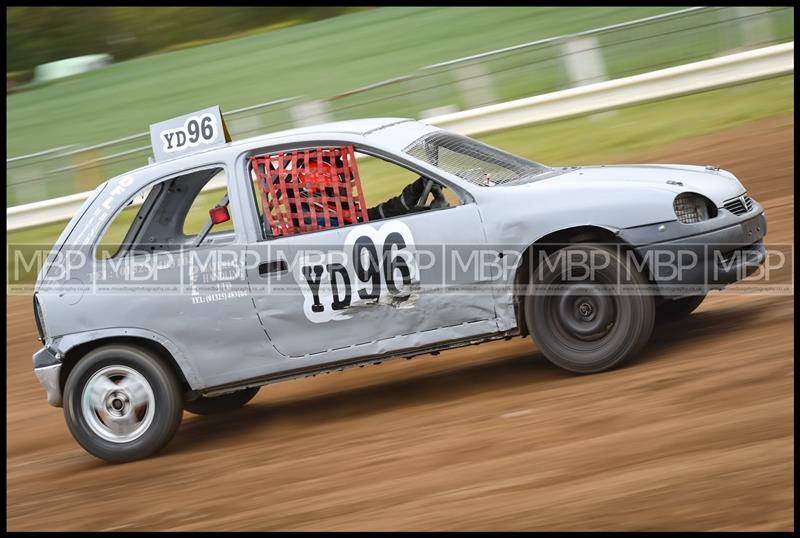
474,161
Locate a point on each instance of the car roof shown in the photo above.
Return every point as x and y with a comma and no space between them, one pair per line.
362,127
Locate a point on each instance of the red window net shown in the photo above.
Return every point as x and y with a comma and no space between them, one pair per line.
310,190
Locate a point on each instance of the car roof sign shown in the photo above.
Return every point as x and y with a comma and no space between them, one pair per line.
189,133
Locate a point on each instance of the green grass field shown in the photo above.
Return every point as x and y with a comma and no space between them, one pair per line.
328,57
594,139
316,59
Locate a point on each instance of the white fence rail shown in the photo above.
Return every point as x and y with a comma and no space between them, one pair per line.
673,81
670,82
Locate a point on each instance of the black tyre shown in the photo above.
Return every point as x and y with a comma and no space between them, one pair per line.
678,309
220,404
122,403
583,321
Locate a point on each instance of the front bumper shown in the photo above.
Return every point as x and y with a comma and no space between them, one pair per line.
697,263
47,368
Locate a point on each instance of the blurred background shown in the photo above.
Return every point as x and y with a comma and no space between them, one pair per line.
84,84
272,69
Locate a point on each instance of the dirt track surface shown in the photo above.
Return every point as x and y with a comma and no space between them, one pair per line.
697,433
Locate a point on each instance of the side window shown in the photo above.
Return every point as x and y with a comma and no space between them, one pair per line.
317,189
197,216
182,211
393,190
111,242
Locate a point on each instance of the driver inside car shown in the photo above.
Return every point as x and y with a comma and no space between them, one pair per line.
411,199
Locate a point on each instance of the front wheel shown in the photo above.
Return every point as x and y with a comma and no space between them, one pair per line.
220,404
122,403
589,309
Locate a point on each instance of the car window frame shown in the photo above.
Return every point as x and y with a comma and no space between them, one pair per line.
242,166
158,182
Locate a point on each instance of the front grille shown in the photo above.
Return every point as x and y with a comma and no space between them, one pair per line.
739,205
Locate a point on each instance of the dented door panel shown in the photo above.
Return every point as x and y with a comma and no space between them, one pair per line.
370,286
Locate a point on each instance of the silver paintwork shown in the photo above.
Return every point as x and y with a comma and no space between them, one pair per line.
242,339
49,377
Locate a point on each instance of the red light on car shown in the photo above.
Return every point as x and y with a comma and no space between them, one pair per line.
219,215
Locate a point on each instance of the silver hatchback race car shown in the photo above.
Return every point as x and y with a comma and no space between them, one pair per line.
223,266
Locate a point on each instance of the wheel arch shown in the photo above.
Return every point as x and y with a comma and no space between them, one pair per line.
75,347
548,244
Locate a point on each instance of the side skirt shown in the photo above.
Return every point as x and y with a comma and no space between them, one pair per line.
342,365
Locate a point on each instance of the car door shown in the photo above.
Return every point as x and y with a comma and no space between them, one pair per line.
371,287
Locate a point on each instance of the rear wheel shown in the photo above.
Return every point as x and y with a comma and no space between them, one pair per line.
122,403
220,404
580,317
671,310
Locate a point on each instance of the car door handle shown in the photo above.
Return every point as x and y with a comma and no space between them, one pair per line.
266,268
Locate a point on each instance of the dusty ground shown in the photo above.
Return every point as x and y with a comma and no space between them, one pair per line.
695,434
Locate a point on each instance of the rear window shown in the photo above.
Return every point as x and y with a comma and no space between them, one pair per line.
474,161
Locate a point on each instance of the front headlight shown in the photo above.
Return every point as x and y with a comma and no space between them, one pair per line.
691,207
